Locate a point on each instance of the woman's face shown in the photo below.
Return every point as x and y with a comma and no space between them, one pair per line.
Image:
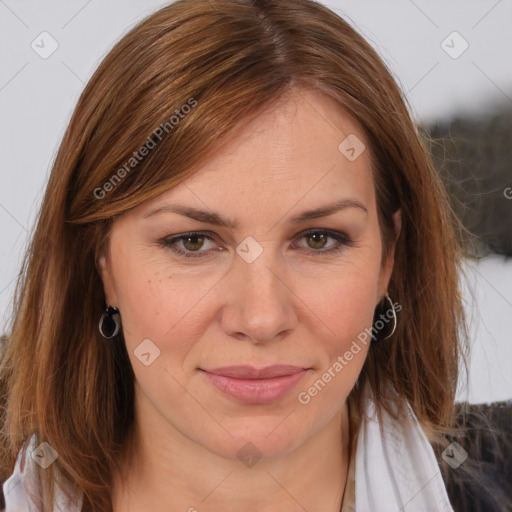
257,292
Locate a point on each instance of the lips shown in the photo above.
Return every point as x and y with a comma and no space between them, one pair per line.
251,385
248,372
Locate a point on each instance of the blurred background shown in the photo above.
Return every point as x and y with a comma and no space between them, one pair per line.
452,61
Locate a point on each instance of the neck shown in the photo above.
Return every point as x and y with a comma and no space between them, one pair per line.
168,471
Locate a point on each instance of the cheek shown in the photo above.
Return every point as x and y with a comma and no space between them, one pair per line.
159,321
346,313
344,299
160,302
345,305
139,285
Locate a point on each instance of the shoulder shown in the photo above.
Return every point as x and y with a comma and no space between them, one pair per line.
482,481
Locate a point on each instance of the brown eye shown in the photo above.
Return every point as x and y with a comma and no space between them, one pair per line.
193,243
316,240
188,244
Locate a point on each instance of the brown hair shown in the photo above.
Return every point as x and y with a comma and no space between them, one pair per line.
234,58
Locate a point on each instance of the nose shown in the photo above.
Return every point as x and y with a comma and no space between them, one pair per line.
259,304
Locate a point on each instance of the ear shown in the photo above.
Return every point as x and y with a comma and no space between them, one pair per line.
105,270
388,264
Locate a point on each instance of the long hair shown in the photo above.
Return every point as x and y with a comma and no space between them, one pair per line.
227,61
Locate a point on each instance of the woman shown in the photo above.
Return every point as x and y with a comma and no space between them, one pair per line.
244,264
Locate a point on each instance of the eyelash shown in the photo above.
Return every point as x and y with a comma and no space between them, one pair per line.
343,240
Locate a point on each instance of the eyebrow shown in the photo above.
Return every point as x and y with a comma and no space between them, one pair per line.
215,219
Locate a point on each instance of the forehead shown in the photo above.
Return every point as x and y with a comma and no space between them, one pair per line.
294,152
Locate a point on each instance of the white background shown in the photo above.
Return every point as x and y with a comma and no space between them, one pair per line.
38,95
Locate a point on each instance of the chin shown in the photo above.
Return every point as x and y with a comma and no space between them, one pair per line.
257,438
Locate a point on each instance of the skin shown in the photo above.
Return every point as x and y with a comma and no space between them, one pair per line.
287,306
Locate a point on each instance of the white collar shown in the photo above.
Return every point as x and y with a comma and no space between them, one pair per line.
395,468
22,490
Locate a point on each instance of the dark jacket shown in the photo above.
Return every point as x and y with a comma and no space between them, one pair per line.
483,482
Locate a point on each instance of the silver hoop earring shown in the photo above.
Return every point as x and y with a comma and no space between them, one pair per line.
110,322
376,322
395,321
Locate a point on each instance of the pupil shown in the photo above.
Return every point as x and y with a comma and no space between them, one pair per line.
187,240
317,235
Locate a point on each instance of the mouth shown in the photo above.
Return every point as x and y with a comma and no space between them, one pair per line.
250,385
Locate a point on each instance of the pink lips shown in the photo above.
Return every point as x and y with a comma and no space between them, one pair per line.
255,386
